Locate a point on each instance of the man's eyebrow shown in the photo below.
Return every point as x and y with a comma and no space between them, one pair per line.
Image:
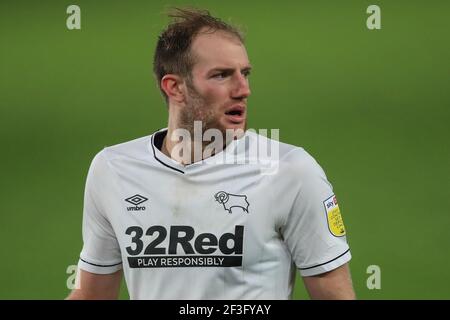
228,70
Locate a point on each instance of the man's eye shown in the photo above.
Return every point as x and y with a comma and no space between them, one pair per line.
246,73
219,75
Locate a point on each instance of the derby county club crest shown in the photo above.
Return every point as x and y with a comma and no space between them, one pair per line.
230,201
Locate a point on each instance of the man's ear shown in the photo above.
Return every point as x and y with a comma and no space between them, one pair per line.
173,86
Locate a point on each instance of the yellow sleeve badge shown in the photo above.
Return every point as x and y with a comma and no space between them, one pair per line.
334,218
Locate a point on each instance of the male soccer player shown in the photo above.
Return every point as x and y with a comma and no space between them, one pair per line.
180,227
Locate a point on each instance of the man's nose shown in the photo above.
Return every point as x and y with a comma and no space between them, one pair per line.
241,88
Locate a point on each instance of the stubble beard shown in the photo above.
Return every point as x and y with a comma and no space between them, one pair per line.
198,108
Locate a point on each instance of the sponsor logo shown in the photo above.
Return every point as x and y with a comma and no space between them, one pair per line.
230,201
334,218
136,200
179,246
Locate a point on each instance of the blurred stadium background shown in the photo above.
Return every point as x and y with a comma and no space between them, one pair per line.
373,107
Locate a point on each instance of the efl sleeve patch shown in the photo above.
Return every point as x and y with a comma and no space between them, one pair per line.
334,218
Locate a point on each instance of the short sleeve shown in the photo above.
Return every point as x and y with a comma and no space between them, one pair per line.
101,251
314,231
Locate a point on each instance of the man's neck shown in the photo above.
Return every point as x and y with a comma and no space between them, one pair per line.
192,151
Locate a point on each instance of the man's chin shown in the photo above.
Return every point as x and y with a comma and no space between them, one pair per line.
234,125
236,128
227,128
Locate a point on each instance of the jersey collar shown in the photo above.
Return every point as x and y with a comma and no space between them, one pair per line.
156,141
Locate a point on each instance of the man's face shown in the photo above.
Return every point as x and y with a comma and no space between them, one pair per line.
218,93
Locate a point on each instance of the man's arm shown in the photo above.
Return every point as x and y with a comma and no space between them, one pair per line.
335,284
97,286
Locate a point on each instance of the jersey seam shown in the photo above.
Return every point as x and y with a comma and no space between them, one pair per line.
286,217
103,154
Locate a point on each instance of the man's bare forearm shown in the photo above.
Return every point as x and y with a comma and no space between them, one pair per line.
333,285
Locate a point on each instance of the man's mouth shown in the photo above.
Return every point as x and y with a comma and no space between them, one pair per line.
236,114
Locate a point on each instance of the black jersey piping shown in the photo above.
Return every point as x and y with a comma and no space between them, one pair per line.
160,161
101,265
318,265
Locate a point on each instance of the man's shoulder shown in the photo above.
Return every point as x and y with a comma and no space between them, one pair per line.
286,153
137,148
297,164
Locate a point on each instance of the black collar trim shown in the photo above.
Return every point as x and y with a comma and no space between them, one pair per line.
158,138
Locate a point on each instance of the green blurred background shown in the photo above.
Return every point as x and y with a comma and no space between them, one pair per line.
372,106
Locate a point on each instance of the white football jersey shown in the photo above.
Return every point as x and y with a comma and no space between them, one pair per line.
209,230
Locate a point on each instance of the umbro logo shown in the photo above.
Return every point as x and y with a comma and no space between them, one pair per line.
230,201
136,200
